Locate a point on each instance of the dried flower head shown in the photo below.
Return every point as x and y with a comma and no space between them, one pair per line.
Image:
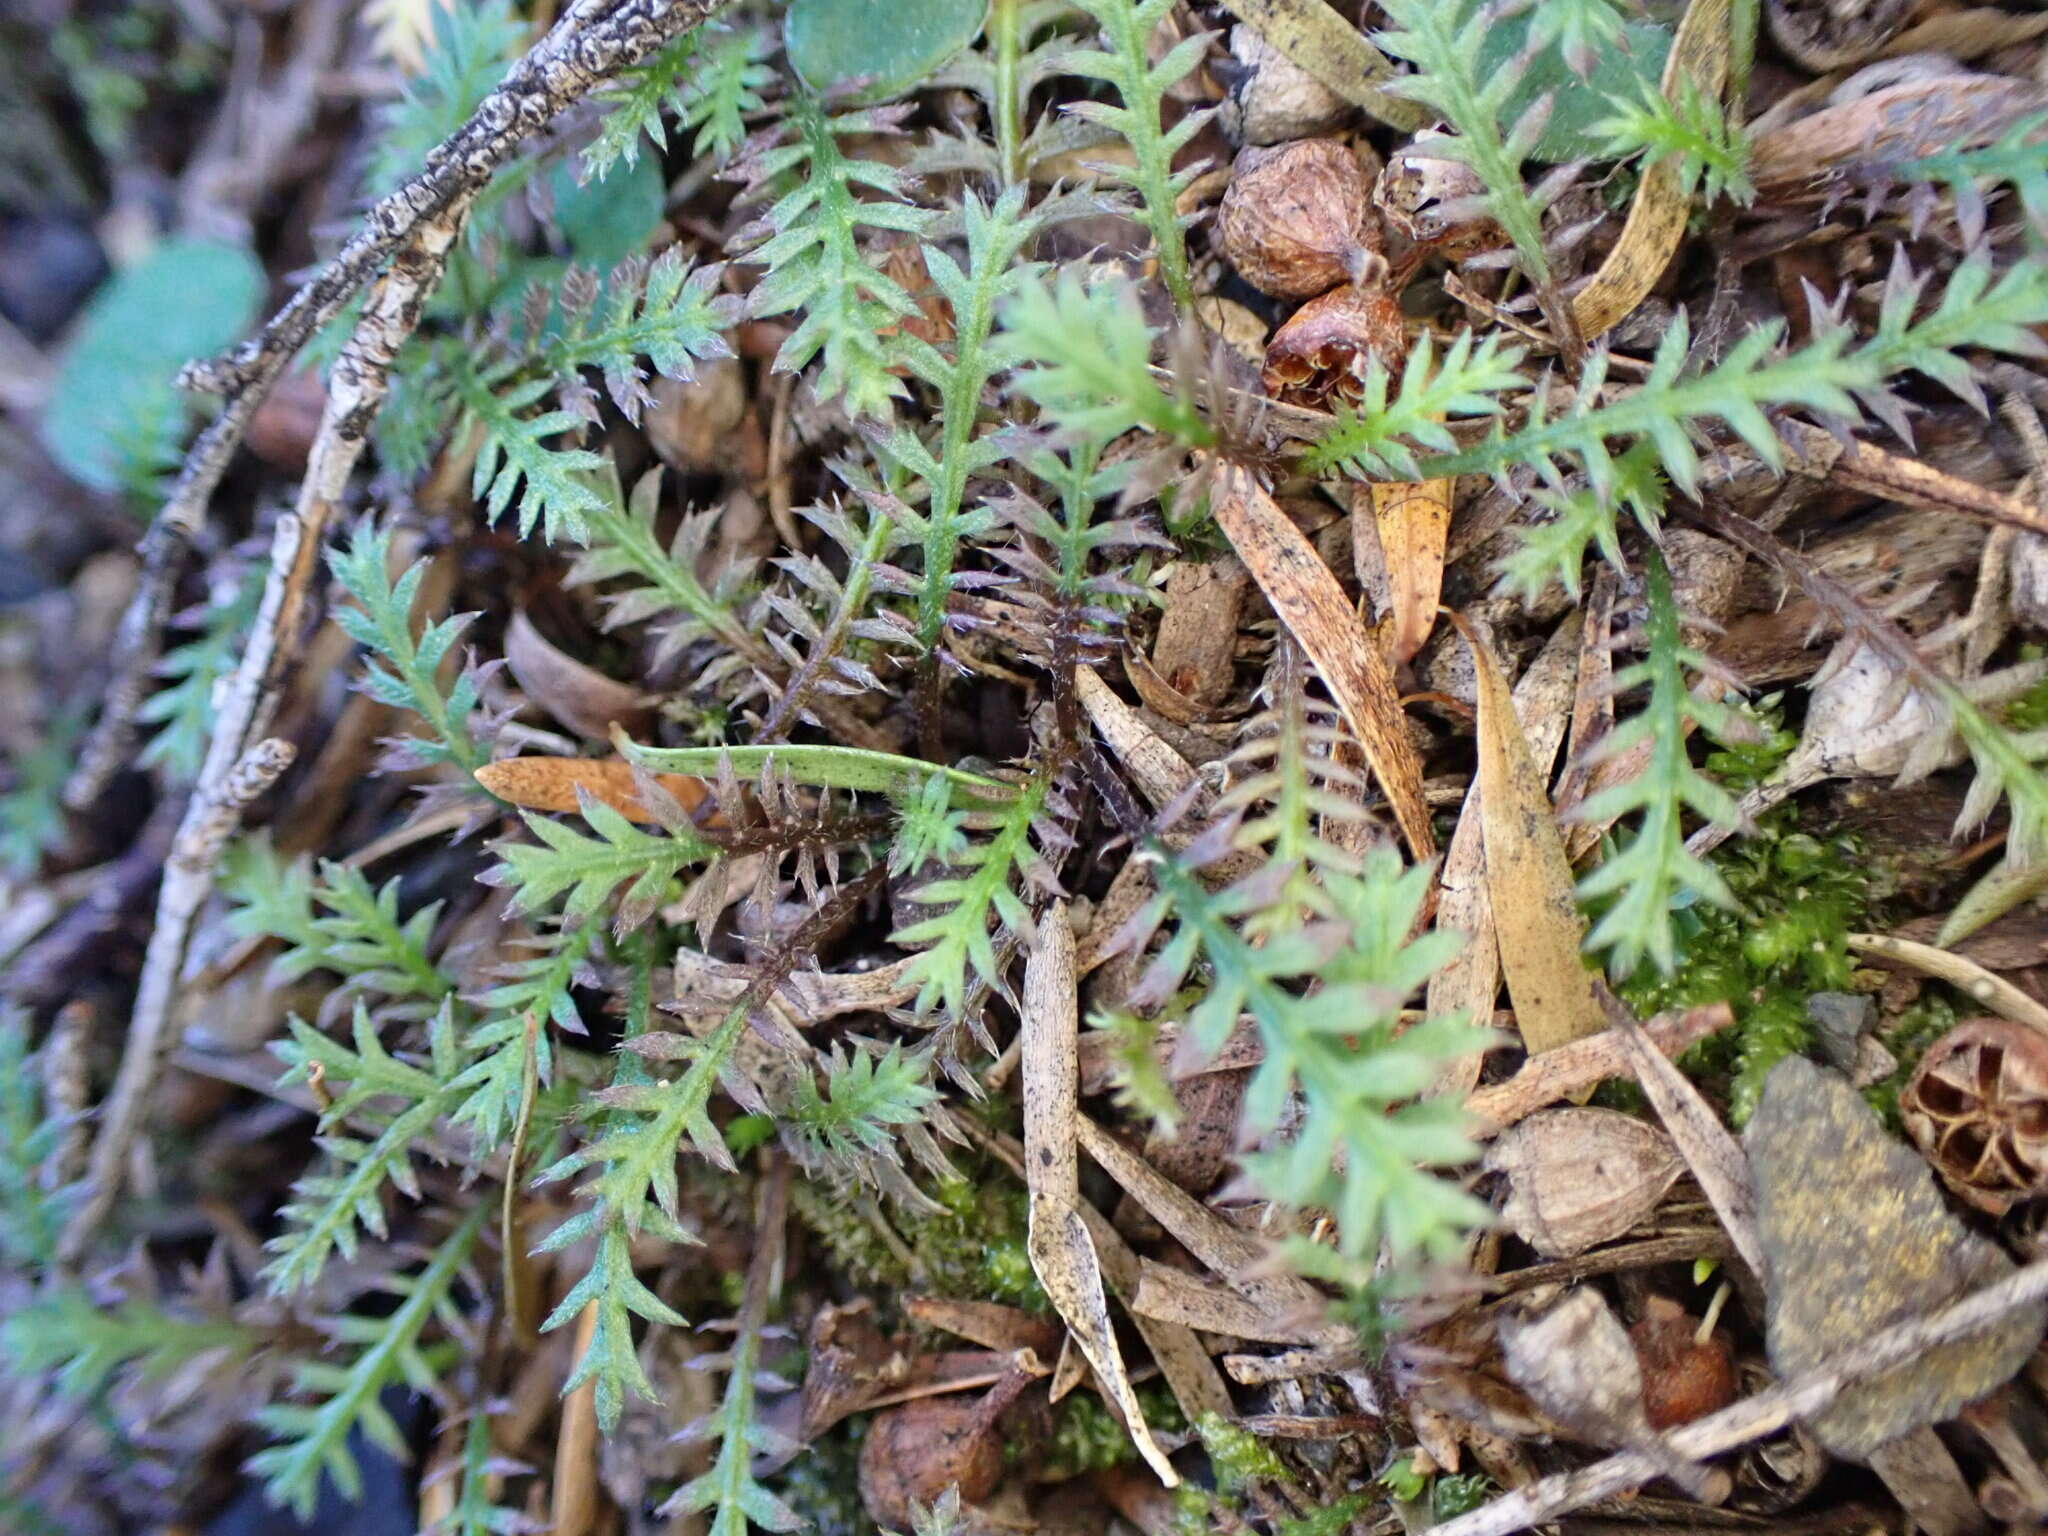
1978,1108
1323,353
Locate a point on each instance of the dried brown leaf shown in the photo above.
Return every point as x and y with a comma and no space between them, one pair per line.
1061,1251
1309,602
579,696
550,784
1528,879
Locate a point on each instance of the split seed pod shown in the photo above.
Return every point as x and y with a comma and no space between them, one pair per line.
1437,201
1581,1177
1297,219
1324,351
1977,1106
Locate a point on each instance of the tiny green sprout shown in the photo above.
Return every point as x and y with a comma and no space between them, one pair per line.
1404,1480
1239,1457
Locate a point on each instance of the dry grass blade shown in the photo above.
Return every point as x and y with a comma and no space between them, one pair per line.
1471,980
1709,1150
1061,1251
1313,607
1966,975
1528,878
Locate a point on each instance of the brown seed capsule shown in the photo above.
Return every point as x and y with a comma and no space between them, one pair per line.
1323,353
1683,1378
916,1451
1977,1107
1296,221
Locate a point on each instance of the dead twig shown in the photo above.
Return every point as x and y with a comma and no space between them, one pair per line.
358,386
592,41
1754,1417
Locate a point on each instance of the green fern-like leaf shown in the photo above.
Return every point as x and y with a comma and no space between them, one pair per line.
183,710
674,317
32,816
1710,148
589,869
1104,389
980,884
1829,375
383,1352
403,672
1127,27
725,89
337,922
1653,876
86,1344
1368,1138
813,262
1442,39
513,456
635,101
536,988
995,238
29,1216
1968,172
868,1098
346,1195
657,583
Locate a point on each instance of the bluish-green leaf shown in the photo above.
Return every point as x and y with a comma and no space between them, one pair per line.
188,299
892,44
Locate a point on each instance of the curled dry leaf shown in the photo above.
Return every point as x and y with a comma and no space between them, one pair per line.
1276,99
1058,1241
1297,220
551,784
1577,1364
1308,600
579,696
1856,1239
1528,879
1977,1106
1580,1177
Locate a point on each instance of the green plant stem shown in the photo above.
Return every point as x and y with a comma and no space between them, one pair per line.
1006,107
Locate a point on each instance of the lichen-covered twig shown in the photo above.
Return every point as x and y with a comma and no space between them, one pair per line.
593,40
357,388
1755,1417
209,819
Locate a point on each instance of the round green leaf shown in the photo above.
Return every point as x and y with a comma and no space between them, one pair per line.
1575,104
607,220
893,44
114,407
